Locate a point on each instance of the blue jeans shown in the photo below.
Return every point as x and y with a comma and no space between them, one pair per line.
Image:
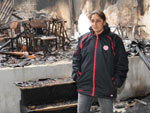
85,102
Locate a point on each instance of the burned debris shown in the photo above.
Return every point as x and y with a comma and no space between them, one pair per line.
135,45
42,39
48,96
36,38
31,35
133,105
43,96
39,39
141,106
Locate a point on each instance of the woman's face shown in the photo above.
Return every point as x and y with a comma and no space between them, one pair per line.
97,24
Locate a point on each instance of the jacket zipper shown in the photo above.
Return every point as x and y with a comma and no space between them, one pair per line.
94,67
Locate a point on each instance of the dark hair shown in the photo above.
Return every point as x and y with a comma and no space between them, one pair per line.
99,13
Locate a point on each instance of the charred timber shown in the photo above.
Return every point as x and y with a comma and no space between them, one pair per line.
10,40
47,91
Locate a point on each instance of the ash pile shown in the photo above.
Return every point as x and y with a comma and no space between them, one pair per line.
40,39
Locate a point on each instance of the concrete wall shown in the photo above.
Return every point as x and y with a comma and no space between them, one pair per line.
10,94
137,82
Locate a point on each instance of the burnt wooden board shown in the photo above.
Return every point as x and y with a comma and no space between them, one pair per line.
54,91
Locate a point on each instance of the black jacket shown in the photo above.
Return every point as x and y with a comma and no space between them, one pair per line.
100,64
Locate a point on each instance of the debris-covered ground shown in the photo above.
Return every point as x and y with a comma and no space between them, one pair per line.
36,58
134,105
130,105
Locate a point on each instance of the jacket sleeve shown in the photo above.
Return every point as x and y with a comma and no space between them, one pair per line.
76,64
121,64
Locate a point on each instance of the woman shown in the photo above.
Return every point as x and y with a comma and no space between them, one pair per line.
100,65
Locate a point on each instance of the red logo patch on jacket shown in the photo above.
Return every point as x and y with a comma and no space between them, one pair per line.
105,47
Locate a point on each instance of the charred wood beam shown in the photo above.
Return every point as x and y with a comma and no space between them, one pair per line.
10,40
49,94
5,44
47,91
15,53
56,107
4,27
18,17
61,108
140,101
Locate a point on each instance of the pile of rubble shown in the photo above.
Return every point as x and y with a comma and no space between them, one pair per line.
133,105
39,58
10,58
31,37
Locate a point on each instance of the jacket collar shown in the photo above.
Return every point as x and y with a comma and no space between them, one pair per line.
106,30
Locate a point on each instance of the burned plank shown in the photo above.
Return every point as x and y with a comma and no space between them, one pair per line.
10,40
65,107
142,105
55,107
44,83
18,17
48,91
140,101
40,85
15,53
